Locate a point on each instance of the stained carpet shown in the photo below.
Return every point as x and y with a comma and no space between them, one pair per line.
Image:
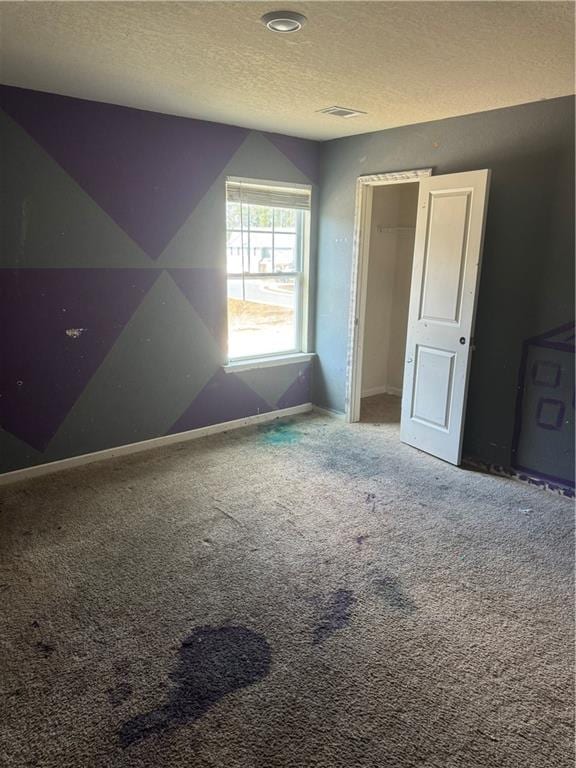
305,593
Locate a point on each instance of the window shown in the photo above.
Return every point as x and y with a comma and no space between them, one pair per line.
267,238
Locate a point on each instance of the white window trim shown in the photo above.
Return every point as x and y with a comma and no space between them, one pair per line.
268,182
237,366
302,279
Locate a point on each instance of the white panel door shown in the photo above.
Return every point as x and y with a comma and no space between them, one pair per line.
445,276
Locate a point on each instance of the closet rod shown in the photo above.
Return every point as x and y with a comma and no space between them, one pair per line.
380,228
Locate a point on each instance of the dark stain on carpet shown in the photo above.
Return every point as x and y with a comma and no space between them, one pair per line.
45,648
348,457
119,694
337,615
212,661
391,589
371,500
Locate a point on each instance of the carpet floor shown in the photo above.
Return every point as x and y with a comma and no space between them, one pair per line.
301,594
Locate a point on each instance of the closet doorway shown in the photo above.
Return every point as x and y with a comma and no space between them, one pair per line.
417,255
390,256
389,206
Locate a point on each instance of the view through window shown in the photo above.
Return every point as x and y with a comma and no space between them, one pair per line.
267,230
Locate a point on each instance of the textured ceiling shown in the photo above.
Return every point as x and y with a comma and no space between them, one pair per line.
401,62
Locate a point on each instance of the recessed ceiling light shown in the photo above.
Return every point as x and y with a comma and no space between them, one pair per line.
283,21
341,112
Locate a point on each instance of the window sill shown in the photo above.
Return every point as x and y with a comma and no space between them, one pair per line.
268,362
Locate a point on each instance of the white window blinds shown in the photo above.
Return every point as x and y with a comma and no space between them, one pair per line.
250,193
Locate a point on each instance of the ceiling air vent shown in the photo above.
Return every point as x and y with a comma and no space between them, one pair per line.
341,112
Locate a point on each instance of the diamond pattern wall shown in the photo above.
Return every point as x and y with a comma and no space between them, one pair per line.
112,282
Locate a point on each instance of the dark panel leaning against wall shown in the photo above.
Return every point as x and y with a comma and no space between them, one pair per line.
112,289
526,288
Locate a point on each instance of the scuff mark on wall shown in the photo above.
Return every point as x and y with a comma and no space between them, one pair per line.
75,333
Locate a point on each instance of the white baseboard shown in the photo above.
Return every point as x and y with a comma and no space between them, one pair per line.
385,390
145,445
329,412
374,391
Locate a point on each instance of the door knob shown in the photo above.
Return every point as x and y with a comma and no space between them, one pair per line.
462,340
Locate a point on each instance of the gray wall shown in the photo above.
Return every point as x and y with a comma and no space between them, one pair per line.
528,271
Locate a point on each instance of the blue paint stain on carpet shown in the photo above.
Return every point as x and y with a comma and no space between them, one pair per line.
279,433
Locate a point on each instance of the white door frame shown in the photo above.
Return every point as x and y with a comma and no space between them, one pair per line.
359,278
